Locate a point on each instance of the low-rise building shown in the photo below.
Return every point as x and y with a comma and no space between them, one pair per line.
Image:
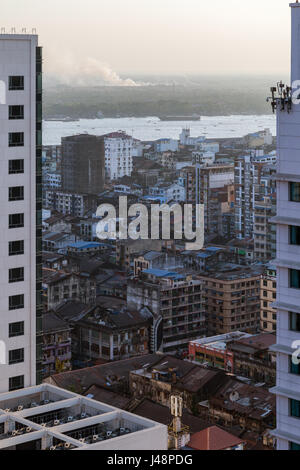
172,376
238,353
57,347
61,286
214,438
238,404
108,330
75,204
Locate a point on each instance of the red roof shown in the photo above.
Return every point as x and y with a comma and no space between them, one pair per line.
213,438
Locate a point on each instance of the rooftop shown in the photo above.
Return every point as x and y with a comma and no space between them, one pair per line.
48,418
213,438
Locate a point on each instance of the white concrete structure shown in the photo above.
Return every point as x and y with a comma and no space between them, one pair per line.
18,159
52,180
165,145
203,158
173,192
50,418
118,155
186,139
288,261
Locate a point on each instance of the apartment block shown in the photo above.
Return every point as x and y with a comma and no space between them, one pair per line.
68,203
82,164
231,298
176,304
118,155
255,202
21,193
268,289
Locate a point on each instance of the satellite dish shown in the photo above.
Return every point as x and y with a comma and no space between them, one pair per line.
234,396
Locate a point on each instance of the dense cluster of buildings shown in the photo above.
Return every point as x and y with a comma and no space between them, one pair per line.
124,330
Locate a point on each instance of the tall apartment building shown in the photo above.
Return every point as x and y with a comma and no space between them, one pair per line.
268,286
82,164
176,304
255,202
118,155
264,232
287,387
232,299
20,214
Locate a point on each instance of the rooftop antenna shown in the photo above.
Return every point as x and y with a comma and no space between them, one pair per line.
33,30
13,30
24,30
2,30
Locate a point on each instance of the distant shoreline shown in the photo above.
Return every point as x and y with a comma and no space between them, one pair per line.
150,128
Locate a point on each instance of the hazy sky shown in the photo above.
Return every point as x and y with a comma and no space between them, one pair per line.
158,36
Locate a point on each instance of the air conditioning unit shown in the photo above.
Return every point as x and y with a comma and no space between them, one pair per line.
56,422
44,425
7,410
70,419
14,432
34,404
95,437
67,445
53,448
20,407
29,429
82,440
122,430
46,402
83,415
108,433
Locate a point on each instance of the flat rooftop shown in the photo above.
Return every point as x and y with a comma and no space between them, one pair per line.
46,417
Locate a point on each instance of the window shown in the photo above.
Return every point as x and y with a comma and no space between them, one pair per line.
16,166
15,383
16,275
16,356
16,193
295,192
16,329
295,408
294,446
16,220
16,139
16,82
294,321
16,112
16,302
294,278
294,235
16,248
294,368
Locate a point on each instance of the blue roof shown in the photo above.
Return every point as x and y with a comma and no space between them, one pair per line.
204,255
214,248
85,245
163,273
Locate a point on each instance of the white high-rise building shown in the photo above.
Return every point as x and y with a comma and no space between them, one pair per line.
118,155
287,387
20,208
